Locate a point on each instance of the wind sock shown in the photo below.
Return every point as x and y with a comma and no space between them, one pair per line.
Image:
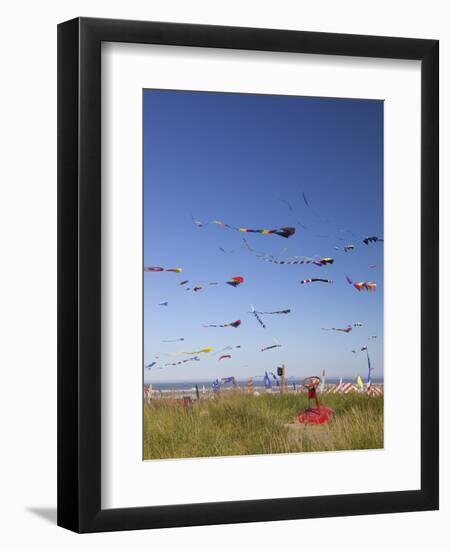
281,311
271,347
317,280
362,285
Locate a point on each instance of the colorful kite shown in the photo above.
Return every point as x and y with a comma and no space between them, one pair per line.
156,269
174,340
235,281
357,324
316,280
285,232
347,330
362,285
150,365
349,247
224,357
364,348
372,239
226,348
183,282
234,324
163,303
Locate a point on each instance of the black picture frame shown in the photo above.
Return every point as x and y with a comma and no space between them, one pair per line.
79,274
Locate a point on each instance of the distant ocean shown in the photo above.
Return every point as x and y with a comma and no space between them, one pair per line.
258,382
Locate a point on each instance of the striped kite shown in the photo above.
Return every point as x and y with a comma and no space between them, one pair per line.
316,280
285,232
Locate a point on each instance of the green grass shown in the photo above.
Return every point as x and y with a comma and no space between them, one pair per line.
249,425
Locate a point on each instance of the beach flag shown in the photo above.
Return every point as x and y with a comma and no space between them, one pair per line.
215,386
360,382
322,383
274,376
369,377
150,392
229,379
197,393
267,382
250,386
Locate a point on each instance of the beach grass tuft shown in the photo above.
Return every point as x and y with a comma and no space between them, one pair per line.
241,424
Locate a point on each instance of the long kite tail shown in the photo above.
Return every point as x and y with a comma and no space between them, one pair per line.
234,324
316,280
285,232
257,317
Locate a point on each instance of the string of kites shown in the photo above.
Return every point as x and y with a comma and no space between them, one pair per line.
236,281
284,232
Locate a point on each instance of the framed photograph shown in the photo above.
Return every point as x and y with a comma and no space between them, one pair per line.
248,275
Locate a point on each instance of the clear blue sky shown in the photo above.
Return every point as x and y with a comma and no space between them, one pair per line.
235,158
